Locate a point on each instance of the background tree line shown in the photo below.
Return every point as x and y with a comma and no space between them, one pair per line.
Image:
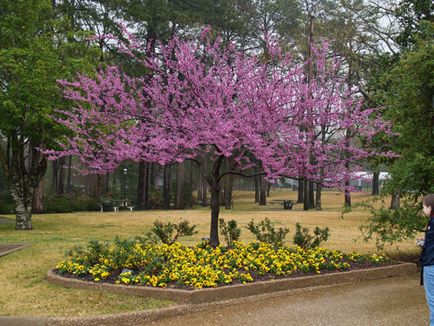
386,47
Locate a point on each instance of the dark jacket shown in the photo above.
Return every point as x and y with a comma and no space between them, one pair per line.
427,255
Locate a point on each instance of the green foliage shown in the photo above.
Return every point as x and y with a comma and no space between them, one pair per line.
408,100
264,231
389,226
7,205
68,204
169,232
230,231
305,240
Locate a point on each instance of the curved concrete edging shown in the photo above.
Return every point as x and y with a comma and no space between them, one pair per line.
238,290
17,247
141,317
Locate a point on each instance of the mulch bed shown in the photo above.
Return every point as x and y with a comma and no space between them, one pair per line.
355,266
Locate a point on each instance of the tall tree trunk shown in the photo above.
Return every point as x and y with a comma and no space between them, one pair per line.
228,191
200,190
268,189
38,199
142,186
300,196
25,175
166,187
204,192
215,211
263,191
180,176
54,170
99,185
376,183
22,193
69,176
306,192
347,195
318,197
106,183
61,178
152,175
257,187
311,195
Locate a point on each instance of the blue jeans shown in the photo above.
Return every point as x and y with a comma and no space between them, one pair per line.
428,282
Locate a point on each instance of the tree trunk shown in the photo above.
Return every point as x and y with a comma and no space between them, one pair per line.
54,170
318,197
22,193
166,187
61,178
347,195
300,197
376,183
204,192
38,199
306,192
142,186
257,188
152,175
395,201
228,191
268,189
263,191
69,176
106,183
180,176
200,191
311,195
215,211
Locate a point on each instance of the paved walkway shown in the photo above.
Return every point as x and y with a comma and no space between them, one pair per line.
393,301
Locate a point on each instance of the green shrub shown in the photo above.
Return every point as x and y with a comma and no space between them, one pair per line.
230,231
169,232
69,204
7,205
305,240
264,231
155,198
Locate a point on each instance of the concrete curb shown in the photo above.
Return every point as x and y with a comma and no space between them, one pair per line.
275,288
239,290
19,246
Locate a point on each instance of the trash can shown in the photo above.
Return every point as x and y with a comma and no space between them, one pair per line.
107,206
287,204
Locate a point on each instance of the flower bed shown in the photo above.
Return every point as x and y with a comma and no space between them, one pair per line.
160,265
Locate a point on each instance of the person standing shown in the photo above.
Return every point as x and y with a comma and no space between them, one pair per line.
427,255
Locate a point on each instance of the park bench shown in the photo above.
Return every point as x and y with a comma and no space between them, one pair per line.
287,203
115,205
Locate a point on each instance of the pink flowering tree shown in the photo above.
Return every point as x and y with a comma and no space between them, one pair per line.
207,99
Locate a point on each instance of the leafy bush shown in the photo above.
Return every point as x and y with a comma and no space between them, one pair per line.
230,231
69,204
390,226
7,205
155,198
168,233
265,232
305,240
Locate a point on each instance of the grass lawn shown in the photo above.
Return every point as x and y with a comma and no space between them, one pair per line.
24,290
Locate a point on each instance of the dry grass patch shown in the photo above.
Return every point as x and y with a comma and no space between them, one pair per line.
22,274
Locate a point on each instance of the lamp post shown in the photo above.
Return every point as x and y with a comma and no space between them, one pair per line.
125,183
